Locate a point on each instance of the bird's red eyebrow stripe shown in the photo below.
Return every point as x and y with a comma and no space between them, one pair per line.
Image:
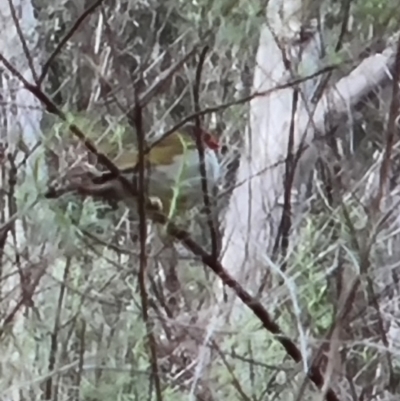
211,141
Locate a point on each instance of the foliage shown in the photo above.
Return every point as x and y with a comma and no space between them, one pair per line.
83,335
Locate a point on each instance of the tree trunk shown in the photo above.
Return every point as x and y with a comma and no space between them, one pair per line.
255,208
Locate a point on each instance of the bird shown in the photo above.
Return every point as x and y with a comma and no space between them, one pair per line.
172,171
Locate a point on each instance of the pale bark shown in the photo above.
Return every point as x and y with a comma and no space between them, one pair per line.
253,212
254,209
20,115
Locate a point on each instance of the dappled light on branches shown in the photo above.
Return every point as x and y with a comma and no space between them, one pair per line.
191,192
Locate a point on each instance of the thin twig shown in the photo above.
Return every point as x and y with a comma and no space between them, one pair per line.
345,6
243,100
54,335
25,297
282,238
200,149
181,235
65,39
142,195
23,41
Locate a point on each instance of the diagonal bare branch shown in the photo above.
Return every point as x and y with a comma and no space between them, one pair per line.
65,39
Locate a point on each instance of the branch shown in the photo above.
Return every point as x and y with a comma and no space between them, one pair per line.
243,100
200,149
371,73
65,39
143,255
22,39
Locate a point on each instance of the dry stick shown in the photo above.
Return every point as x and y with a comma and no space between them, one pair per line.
65,39
25,298
200,149
346,302
157,86
183,236
324,82
392,132
164,77
12,209
252,303
235,381
282,238
143,256
48,393
155,89
82,348
364,251
291,161
345,6
22,39
53,109
246,99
